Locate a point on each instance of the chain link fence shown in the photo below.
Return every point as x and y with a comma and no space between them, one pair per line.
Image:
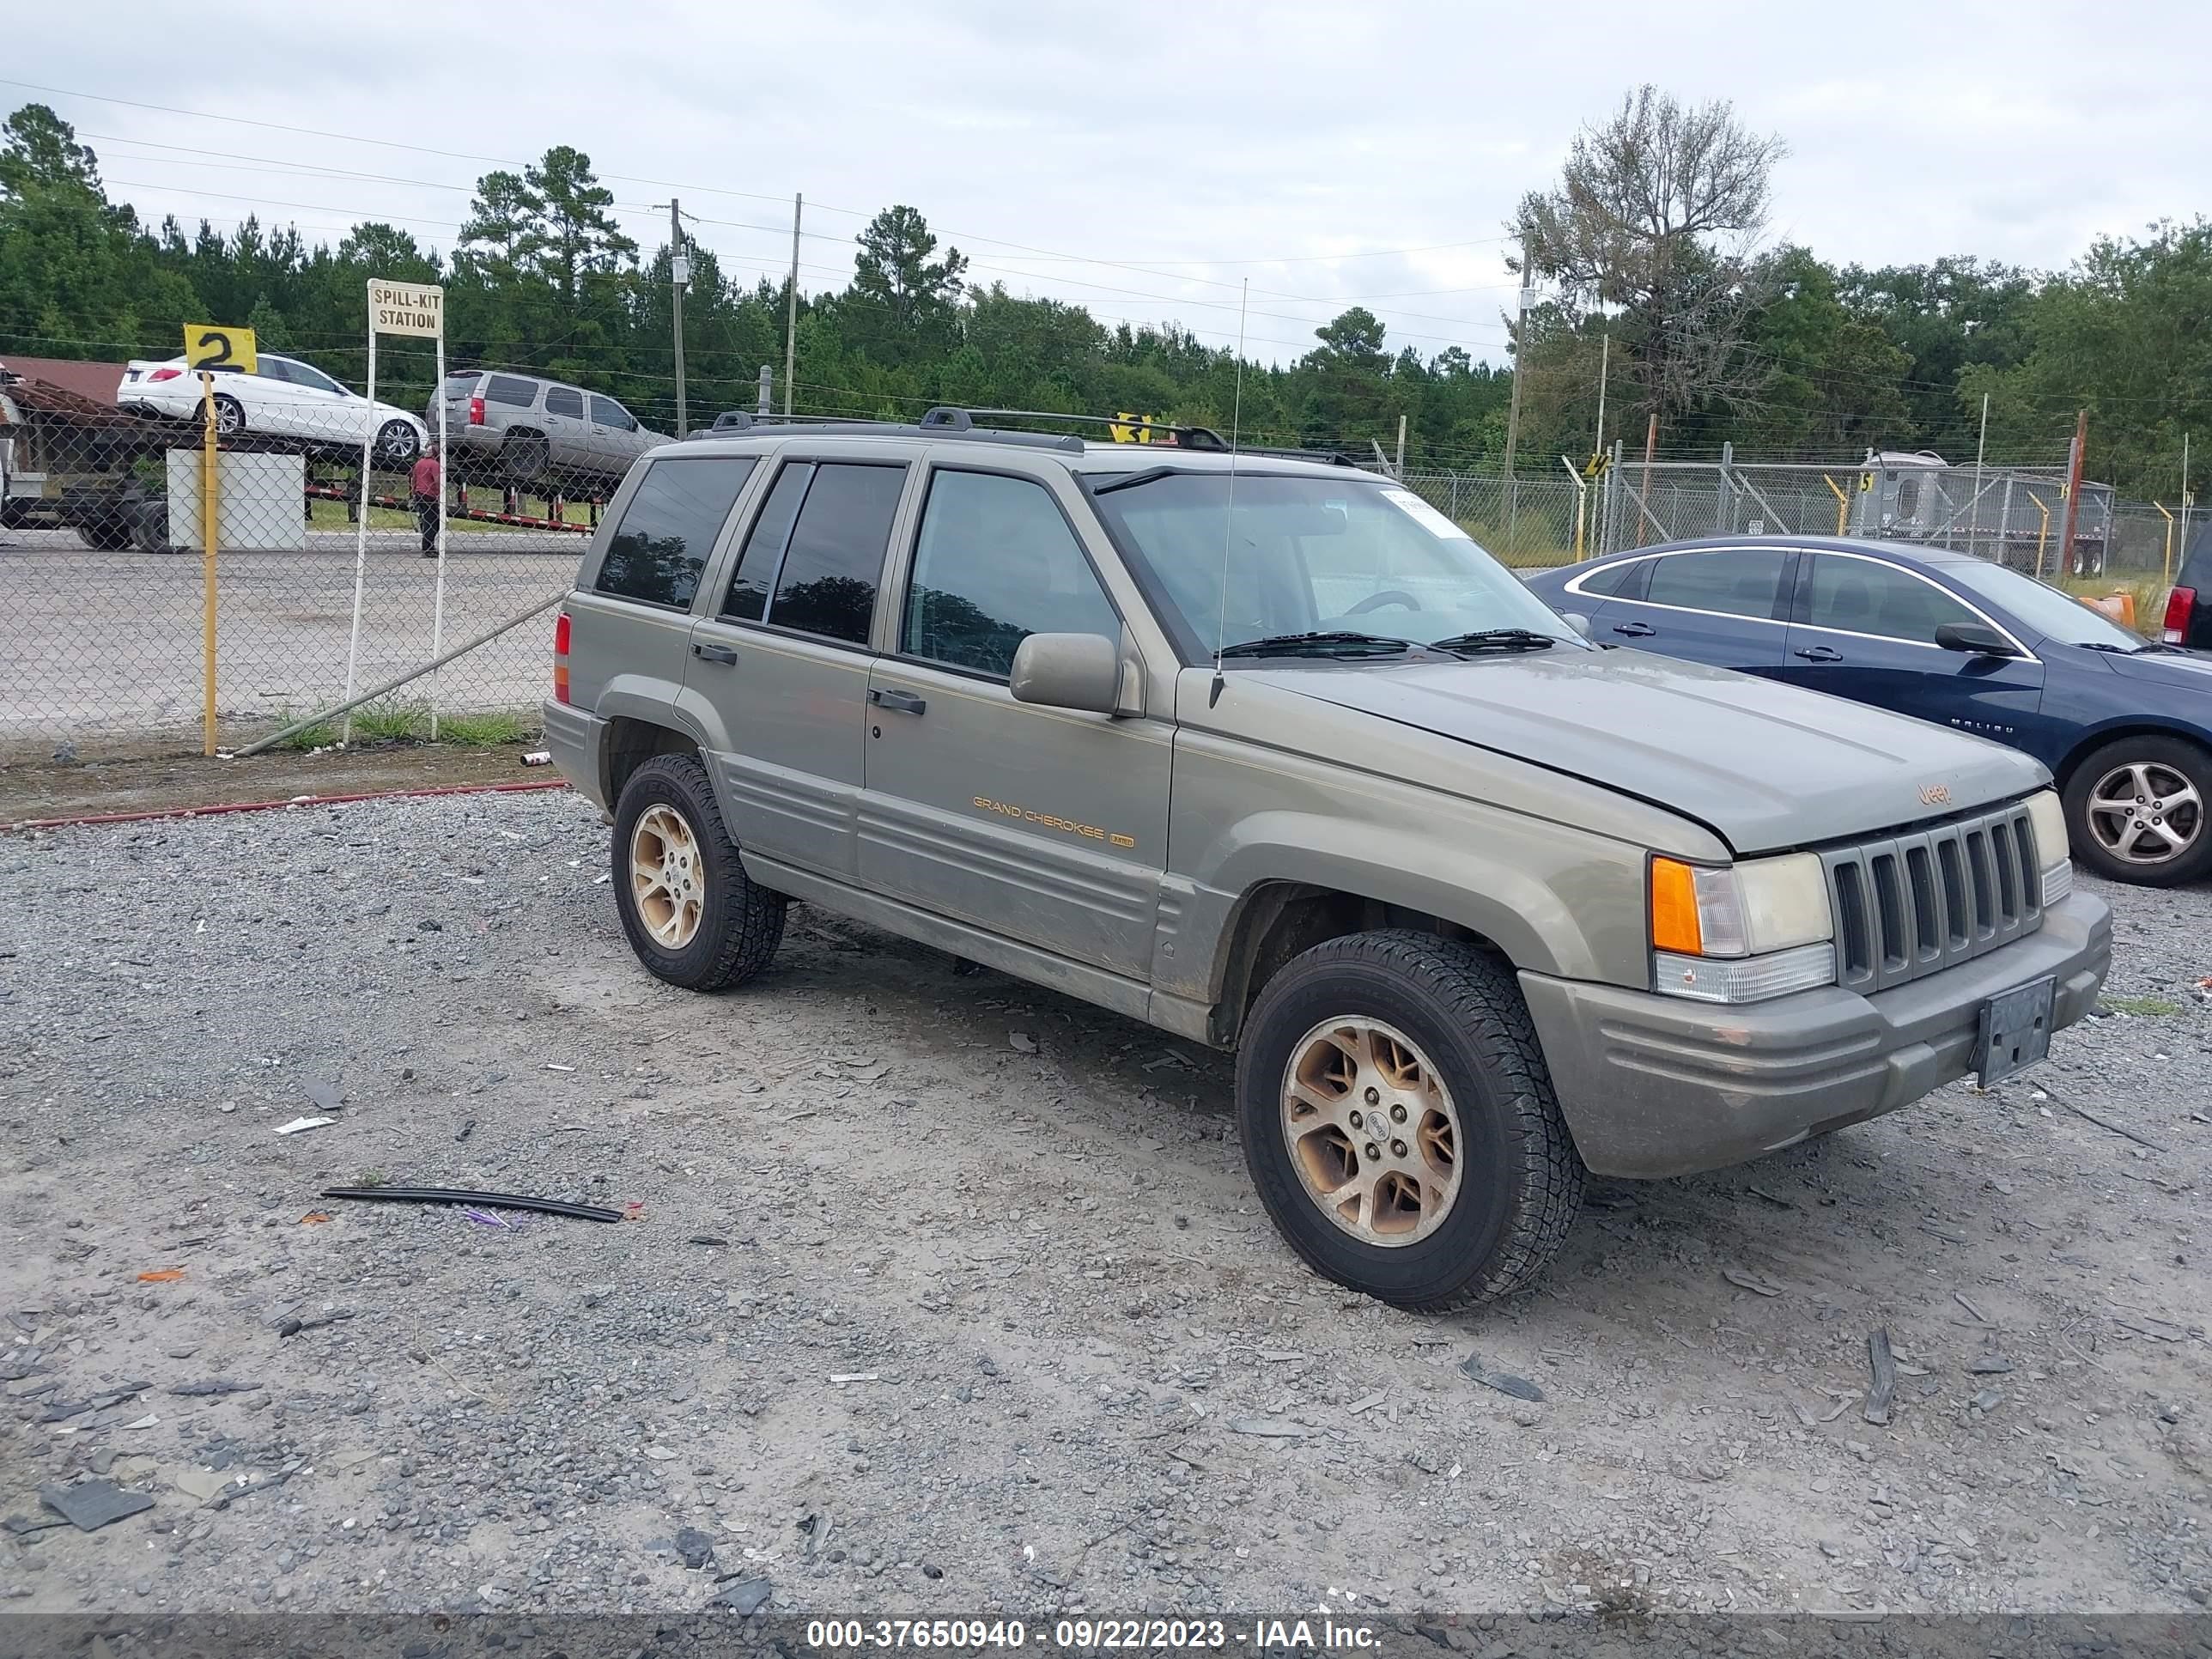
105,645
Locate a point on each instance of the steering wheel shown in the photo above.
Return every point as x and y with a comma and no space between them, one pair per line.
1389,596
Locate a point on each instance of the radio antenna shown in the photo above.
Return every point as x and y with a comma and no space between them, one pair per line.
1228,519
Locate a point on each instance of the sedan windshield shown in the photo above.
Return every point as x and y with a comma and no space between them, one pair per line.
1303,556
2042,609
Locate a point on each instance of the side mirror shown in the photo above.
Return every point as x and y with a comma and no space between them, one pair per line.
1977,639
1576,620
1068,670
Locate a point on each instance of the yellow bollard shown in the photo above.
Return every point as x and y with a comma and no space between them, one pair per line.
207,565
2160,506
1843,503
2042,535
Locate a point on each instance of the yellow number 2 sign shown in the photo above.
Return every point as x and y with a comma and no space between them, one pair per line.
207,346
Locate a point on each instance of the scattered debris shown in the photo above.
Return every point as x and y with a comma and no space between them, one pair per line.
161,1276
1988,1365
325,1096
199,1484
713,1240
2106,1123
746,1597
213,1386
694,1548
537,757
1884,1364
1775,1199
486,1218
293,1327
1272,1428
1366,1403
1751,1281
300,1125
466,1131
660,1454
488,1200
62,1411
843,1377
1938,1229
551,1066
2157,1330
1021,1043
1519,1387
91,1505
1963,1300
1986,1401
314,1217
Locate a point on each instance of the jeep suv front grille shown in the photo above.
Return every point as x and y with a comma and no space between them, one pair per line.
1914,904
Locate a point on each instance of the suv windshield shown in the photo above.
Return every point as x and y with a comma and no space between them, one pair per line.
2042,609
1306,555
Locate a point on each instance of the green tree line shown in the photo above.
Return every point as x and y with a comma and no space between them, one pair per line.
1782,354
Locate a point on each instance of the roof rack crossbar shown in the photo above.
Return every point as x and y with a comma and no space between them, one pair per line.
946,415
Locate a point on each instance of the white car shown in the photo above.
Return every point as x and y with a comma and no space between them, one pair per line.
283,398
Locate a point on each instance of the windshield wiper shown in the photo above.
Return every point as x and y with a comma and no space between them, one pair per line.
1496,639
1330,643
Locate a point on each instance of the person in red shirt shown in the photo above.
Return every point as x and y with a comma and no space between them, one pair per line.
428,489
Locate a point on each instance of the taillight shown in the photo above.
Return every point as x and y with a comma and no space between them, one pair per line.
2180,611
561,658
164,374
476,418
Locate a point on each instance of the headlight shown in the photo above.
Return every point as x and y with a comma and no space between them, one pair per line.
1741,932
2049,819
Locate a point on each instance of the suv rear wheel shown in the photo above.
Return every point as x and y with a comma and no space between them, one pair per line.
1398,1121
525,456
693,915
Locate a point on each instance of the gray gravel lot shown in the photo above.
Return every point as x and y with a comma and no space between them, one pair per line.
912,1319
94,643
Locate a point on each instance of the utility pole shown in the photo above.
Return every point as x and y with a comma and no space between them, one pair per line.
679,273
2073,493
1604,370
1513,407
766,397
1981,448
791,307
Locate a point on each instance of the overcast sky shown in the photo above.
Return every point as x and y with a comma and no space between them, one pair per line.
1142,158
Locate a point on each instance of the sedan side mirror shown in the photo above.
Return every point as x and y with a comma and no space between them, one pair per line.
1068,670
1977,639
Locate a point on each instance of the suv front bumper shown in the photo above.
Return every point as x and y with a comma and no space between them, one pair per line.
1655,1085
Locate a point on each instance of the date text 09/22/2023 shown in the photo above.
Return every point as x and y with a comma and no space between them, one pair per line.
1095,1634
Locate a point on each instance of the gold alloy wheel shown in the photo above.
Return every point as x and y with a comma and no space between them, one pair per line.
666,880
1372,1130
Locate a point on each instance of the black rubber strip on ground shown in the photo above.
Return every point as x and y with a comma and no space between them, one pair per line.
486,1200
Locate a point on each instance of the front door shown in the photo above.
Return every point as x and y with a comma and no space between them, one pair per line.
1049,825
1723,605
1864,629
568,437
782,664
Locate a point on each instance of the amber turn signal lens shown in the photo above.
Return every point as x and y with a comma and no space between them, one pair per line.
1675,908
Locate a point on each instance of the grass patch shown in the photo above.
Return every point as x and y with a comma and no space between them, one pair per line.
482,731
393,722
321,735
2143,1007
2149,589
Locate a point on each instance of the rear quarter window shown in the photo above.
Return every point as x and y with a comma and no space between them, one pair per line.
668,530
508,389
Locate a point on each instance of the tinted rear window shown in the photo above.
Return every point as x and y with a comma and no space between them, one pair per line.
564,400
669,529
827,582
505,389
458,385
1734,582
1608,581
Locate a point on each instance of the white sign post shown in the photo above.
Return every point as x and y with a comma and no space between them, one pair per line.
419,309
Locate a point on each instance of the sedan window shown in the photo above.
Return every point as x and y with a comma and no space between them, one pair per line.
1733,581
1863,596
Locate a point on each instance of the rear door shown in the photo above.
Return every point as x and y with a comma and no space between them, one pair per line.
1049,825
780,667
1723,605
614,434
569,431
630,619
1864,629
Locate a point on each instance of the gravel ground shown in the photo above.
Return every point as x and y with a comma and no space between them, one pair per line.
910,1318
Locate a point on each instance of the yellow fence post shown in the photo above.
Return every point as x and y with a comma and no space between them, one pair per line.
2042,535
208,472
1843,503
2160,506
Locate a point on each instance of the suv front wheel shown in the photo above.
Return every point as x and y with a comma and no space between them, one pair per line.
1398,1121
693,915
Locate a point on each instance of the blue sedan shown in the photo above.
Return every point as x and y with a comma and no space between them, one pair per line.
2125,726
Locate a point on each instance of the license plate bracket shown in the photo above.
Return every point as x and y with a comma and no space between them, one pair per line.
2016,1030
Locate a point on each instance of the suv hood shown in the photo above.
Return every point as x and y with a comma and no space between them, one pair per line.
1765,766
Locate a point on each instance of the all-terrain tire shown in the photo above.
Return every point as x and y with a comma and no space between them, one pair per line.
1519,1178
739,923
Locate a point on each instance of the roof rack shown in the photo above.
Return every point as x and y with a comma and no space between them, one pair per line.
731,423
949,420
946,416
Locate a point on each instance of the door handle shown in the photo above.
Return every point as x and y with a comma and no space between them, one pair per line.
904,702
1635,630
1821,654
713,653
